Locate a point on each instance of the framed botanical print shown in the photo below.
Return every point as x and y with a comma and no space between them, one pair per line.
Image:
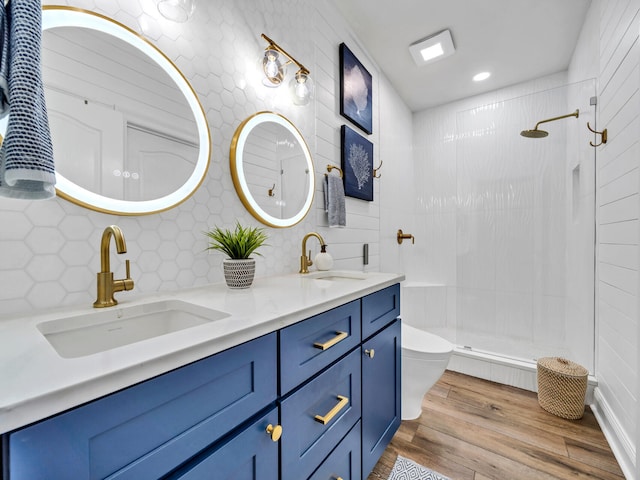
357,164
355,90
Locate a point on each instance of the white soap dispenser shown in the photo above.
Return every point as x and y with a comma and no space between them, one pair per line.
323,260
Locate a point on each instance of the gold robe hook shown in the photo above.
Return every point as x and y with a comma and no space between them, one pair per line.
603,134
376,170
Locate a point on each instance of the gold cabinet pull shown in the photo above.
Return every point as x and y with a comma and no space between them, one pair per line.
343,402
338,338
274,432
338,478
370,353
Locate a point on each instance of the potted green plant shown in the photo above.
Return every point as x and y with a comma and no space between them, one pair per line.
238,245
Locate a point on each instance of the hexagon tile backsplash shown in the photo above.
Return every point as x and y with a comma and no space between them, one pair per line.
49,250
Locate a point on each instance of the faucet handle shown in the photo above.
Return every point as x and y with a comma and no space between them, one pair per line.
309,261
127,282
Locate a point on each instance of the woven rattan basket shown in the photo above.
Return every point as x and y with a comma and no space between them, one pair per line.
562,386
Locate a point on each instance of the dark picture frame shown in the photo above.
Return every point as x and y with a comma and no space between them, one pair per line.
357,164
355,90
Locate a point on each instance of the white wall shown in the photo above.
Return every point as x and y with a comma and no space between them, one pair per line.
618,162
397,188
49,249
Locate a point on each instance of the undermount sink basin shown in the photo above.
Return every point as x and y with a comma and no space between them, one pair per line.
102,330
337,275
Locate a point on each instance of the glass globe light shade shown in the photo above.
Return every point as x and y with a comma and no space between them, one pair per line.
177,10
301,88
273,68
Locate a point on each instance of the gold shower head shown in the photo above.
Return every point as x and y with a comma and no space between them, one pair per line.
535,133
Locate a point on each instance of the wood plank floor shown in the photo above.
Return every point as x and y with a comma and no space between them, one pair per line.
472,429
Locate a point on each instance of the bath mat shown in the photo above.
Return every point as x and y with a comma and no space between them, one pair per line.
405,469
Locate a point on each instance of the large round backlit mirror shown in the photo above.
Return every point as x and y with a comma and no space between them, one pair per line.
129,134
272,169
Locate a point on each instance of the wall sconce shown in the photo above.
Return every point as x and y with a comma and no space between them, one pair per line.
274,65
177,10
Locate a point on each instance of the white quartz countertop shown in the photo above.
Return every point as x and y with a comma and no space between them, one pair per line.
36,382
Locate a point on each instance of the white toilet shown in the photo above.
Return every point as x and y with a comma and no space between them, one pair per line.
425,357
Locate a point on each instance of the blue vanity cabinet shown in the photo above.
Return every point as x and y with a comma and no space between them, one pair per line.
337,402
251,454
150,429
316,417
381,375
380,308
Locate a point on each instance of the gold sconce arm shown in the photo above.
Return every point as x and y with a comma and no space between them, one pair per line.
274,46
274,62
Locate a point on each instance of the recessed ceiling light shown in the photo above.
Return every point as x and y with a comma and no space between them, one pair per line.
478,77
432,48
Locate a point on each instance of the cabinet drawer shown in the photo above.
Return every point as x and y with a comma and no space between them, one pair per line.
306,442
249,455
379,309
309,346
344,461
148,430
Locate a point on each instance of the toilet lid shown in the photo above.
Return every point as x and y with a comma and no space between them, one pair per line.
421,341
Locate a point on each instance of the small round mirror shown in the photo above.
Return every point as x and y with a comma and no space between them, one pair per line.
272,169
129,134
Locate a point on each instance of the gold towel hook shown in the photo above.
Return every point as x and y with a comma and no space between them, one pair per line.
376,170
271,190
331,167
603,136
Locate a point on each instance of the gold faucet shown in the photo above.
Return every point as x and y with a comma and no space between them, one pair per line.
107,286
305,262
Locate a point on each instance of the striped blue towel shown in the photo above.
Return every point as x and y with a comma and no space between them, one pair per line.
26,157
4,61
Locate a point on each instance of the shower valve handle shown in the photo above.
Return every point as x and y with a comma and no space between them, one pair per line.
404,236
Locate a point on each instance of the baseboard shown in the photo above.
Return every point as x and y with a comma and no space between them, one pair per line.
504,370
621,445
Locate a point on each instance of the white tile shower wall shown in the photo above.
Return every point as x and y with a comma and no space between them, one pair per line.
496,200
424,306
618,187
49,249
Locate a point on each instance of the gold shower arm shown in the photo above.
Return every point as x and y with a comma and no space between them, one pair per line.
574,114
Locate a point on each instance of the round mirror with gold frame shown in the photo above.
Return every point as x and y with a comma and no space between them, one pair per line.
130,136
272,169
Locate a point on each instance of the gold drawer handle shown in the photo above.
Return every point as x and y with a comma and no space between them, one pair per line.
344,401
274,432
338,338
